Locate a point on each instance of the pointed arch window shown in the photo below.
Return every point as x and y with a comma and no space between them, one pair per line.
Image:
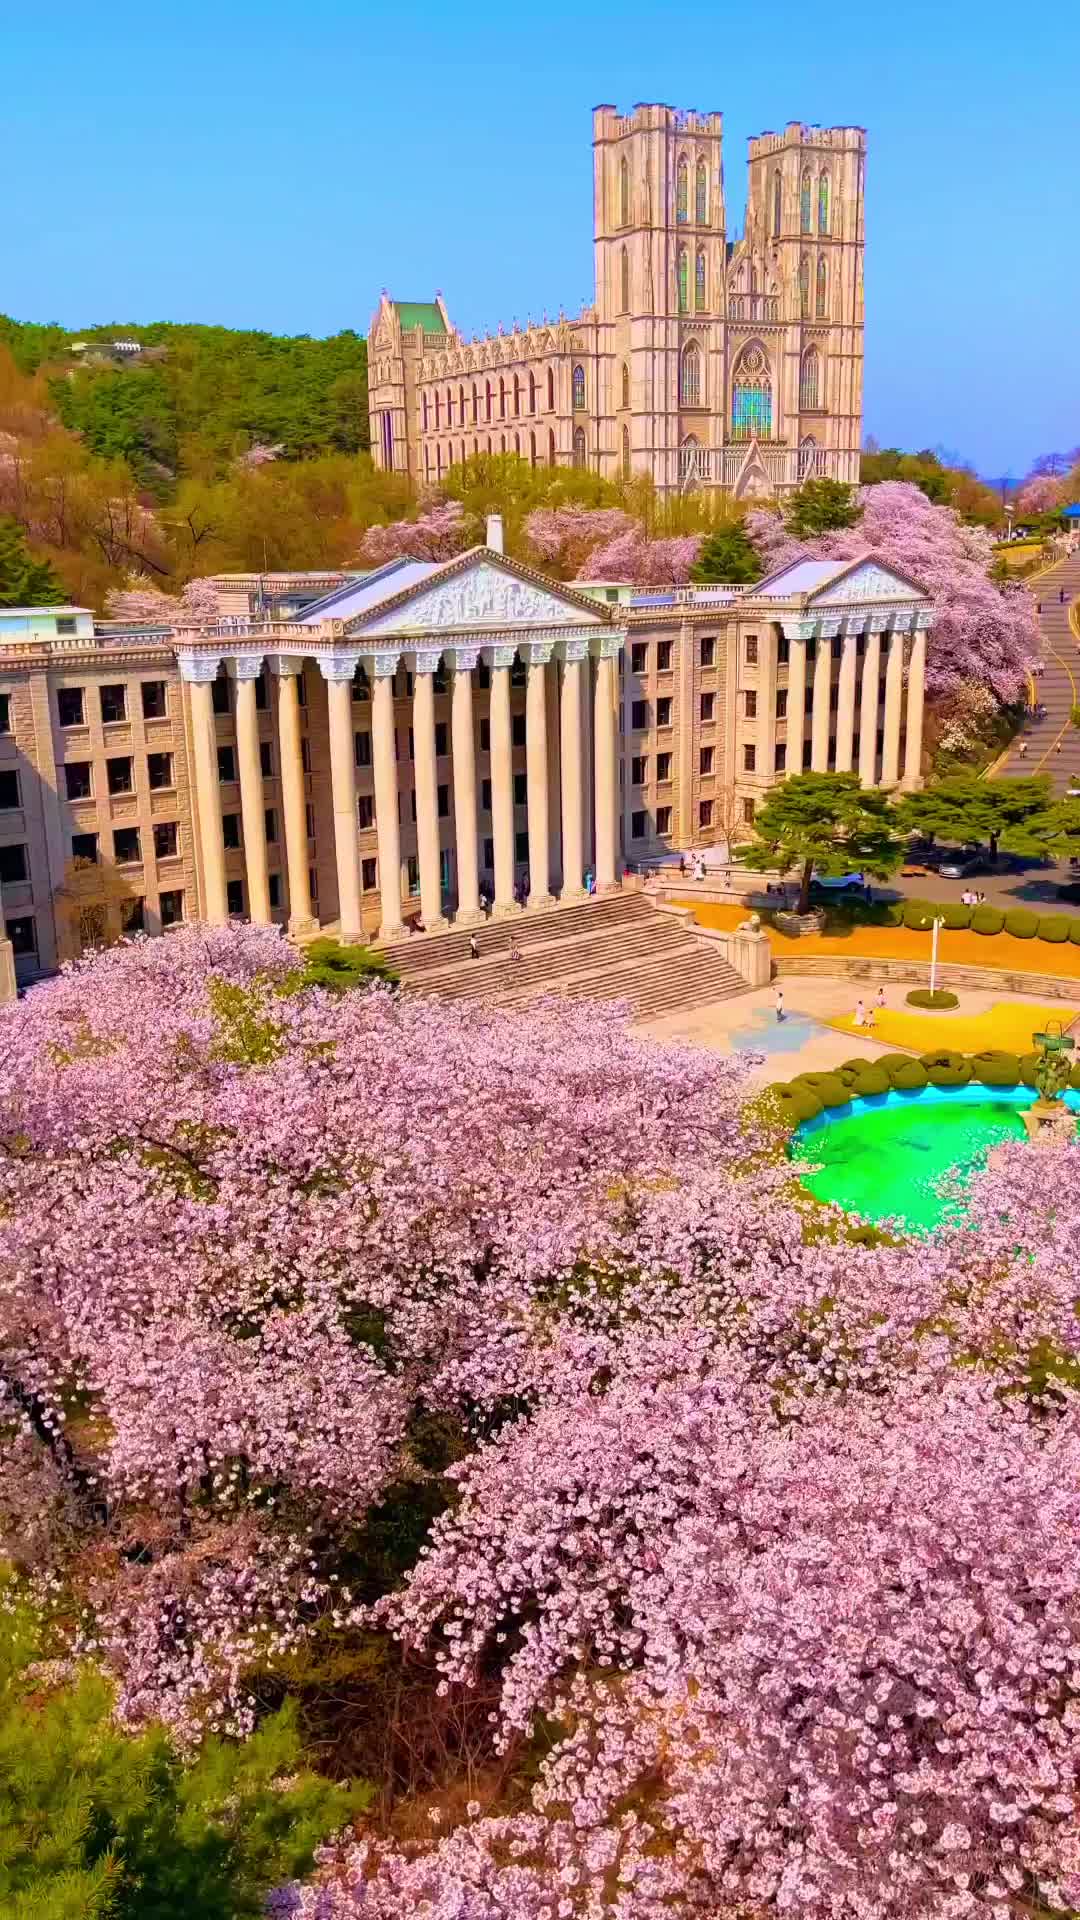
624,193
807,451
701,195
805,202
532,449
751,395
682,191
423,409
517,443
551,390
690,375
822,299
579,446
438,418
699,281
624,400
684,280
804,288
809,380
461,406
551,446
532,393
626,453
578,388
777,202
823,204
517,396
624,281
475,405
449,406
487,385
502,405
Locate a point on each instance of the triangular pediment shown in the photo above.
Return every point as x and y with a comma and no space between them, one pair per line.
478,593
867,580
752,481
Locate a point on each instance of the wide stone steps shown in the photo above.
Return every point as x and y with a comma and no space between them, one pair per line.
420,955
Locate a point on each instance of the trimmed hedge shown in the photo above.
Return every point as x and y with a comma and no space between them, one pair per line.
987,919
804,1097
1054,927
918,915
911,1078
1074,932
946,1068
922,997
828,1088
1022,923
796,1103
995,1068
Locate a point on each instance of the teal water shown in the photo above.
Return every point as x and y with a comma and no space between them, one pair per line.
889,1158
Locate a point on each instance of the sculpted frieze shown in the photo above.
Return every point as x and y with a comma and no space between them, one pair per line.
484,597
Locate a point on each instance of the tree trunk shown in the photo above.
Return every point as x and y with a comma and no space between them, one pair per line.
804,887
993,846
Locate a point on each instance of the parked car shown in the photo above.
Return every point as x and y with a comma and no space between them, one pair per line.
962,865
843,883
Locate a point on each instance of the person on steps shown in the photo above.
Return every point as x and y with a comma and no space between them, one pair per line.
474,947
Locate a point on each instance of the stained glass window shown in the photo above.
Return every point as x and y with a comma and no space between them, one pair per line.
823,204
809,379
751,395
684,281
579,446
625,384
690,376
777,200
804,202
624,194
626,453
701,195
804,288
624,281
682,192
699,279
822,287
578,388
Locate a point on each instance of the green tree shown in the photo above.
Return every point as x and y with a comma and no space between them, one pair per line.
821,506
24,581
825,823
964,808
1050,834
727,556
340,968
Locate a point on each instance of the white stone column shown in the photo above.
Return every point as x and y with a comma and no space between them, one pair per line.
819,721
796,699
245,673
463,742
604,761
894,691
338,670
845,710
916,697
575,672
554,778
537,657
200,672
765,731
501,660
868,708
288,667
427,788
384,766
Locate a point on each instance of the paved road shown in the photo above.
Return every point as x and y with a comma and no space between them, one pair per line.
1053,745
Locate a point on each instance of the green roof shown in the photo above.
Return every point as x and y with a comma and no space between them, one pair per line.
420,313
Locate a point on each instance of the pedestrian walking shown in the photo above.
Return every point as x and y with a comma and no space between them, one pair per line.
779,1003
474,947
515,950
1057,746
682,866
1061,597
881,999
1022,749
860,1014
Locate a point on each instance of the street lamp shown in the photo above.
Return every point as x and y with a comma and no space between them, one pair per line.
938,923
1009,511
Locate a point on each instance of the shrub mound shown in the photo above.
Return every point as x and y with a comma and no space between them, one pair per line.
1055,928
995,1068
1022,923
795,1104
987,919
922,997
828,1088
910,1078
946,1068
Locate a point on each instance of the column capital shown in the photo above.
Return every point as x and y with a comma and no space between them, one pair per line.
244,666
924,620
289,666
574,651
198,668
878,622
341,664
500,656
382,666
799,629
853,624
427,659
463,659
537,653
608,646
831,626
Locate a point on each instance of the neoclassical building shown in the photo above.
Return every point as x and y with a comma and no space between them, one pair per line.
357,752
703,362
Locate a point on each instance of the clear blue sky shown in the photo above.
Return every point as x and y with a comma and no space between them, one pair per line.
272,166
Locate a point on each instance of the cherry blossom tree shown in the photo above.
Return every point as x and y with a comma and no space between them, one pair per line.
438,533
141,603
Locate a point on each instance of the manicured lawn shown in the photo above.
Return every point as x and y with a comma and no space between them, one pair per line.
1008,1025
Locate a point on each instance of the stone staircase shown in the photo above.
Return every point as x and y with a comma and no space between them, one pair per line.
618,947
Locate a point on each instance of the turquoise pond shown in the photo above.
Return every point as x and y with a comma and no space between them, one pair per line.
889,1157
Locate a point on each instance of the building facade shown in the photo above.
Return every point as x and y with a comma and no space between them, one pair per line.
426,739
702,362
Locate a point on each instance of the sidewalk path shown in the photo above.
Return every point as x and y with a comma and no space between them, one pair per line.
1058,685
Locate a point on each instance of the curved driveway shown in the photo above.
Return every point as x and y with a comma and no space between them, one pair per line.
1053,744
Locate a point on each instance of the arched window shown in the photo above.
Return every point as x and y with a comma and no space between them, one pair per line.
626,453
822,286
502,443
502,405
551,390
532,449
624,281
449,406
517,443
684,280
701,195
682,190
475,405
624,194
624,382
489,443
807,450
777,201
823,204
804,288
690,375
577,381
438,417
487,385
461,412
517,396
423,410
438,463
551,446
805,202
579,446
699,280
753,278
809,380
751,395
532,393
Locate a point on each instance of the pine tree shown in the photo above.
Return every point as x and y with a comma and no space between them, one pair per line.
24,581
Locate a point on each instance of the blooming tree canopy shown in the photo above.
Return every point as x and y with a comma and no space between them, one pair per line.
438,533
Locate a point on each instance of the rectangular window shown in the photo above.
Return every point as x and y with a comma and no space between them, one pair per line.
274,880
704,813
363,749
639,770
781,757
521,846
65,624
748,812
489,855
443,794
663,657
517,730
637,826
361,689
154,700
412,799
313,883
230,830
706,765
485,736
781,703
234,896
483,676
119,771
783,651
133,914
126,848
441,747
750,704
749,758
663,820
5,713
171,907
708,652
412,745
521,789
77,780
365,812
301,689
367,875
84,849
663,767
13,868
485,796
113,704
266,760
23,937
166,839
639,657
639,715
69,706
663,711
708,706
309,820
305,754
270,826
751,650
219,694
9,791
159,770
226,764
413,873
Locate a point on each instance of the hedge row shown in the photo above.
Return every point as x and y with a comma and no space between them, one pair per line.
1019,921
809,1093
